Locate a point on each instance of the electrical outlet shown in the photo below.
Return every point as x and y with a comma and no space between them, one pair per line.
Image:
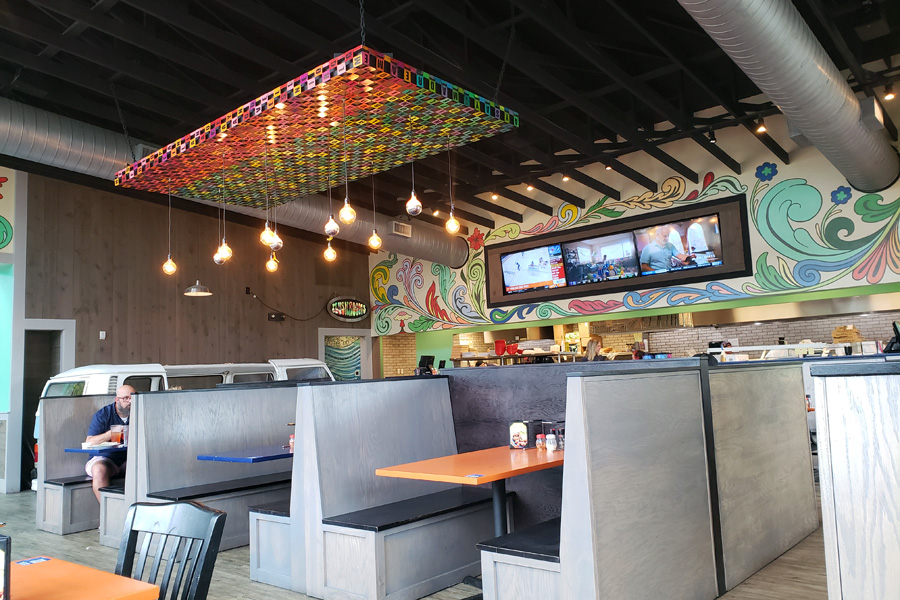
102,335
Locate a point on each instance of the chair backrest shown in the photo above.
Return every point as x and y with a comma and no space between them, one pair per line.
183,535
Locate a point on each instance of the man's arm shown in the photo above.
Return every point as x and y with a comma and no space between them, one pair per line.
99,430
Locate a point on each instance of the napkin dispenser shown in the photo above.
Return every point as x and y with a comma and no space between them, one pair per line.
522,434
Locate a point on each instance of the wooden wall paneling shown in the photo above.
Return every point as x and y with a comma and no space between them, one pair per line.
110,248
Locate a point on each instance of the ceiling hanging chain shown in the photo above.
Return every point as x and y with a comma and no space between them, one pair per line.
362,24
509,43
122,121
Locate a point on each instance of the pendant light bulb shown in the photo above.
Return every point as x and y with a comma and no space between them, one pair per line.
265,237
347,214
225,250
413,205
452,225
272,263
218,258
374,240
329,253
331,227
277,243
169,267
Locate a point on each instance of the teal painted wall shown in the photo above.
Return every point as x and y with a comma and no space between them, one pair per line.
6,327
435,343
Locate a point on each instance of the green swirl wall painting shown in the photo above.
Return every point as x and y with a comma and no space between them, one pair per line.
802,239
6,230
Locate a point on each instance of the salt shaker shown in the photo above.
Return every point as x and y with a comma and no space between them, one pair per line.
551,441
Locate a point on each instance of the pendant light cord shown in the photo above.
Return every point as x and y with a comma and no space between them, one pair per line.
409,142
373,202
169,182
112,87
450,173
223,194
266,167
344,135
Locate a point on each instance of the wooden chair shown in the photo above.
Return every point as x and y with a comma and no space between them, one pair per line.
187,534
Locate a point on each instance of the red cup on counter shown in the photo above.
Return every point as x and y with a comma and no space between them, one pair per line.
499,347
511,348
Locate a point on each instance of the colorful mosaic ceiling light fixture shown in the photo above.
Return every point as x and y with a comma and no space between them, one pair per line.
395,114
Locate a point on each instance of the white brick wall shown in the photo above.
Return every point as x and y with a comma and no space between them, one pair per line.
684,342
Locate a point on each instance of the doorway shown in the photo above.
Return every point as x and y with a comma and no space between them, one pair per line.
42,361
347,352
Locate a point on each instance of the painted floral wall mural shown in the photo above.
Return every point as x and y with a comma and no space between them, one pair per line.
803,239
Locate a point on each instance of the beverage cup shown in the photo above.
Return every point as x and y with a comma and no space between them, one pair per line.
125,435
116,433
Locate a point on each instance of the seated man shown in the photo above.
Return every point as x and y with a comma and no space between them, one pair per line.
101,468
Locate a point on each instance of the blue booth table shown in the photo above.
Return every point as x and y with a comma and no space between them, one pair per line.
250,455
106,451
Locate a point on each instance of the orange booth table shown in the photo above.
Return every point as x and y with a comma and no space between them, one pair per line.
493,466
44,578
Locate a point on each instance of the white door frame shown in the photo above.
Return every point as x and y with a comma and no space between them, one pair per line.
365,346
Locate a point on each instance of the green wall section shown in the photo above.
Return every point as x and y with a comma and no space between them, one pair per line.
6,328
435,343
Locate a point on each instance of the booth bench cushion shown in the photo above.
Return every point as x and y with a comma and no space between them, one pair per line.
79,479
395,514
276,509
540,542
221,487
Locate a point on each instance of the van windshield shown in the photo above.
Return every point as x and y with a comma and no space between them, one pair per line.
64,388
307,374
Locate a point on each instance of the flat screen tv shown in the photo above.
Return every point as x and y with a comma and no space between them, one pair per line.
538,268
679,245
603,258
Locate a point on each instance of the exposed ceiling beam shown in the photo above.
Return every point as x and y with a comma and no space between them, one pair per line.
399,194
598,111
279,23
594,184
701,81
463,194
108,58
524,200
137,35
77,28
87,79
178,16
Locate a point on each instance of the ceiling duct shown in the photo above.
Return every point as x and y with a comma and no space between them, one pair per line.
43,137
773,45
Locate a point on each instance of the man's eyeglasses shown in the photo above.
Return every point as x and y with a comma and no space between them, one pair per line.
123,397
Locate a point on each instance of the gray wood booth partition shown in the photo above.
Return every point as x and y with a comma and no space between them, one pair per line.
346,430
758,459
636,516
858,417
763,463
170,429
64,424
486,399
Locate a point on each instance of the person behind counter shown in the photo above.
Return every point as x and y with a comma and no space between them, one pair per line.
592,352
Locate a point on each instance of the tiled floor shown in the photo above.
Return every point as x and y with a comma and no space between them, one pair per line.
799,574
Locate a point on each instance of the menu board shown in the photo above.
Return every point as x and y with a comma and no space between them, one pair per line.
538,268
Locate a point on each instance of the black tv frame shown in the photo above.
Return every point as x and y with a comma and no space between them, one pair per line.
731,206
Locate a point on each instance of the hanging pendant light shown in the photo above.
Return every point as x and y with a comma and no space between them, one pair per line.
197,289
347,214
452,224
374,239
413,205
329,254
272,263
267,236
224,251
331,227
169,267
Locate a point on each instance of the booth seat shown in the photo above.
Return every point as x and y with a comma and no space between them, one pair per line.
65,498
171,429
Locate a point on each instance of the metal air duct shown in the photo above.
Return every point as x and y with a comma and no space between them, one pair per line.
43,137
773,45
